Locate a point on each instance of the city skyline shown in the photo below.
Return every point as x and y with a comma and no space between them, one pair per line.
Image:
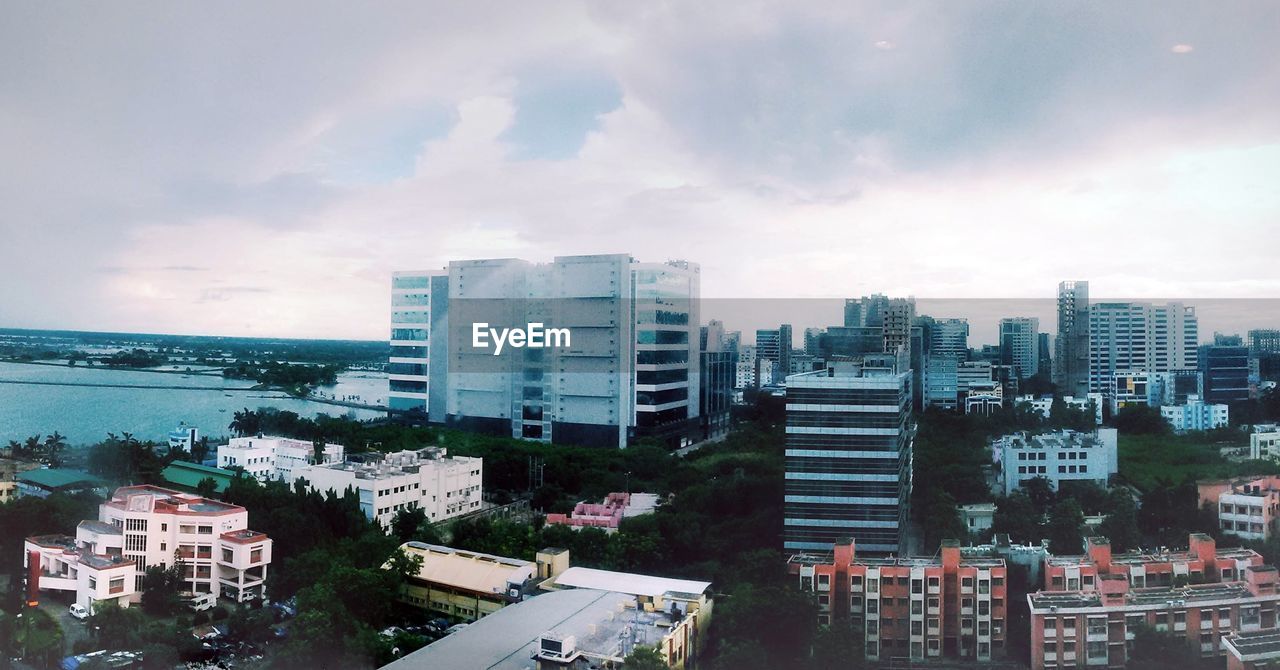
262,171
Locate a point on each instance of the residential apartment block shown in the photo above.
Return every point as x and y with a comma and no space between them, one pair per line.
1264,442
1071,345
1094,603
442,486
624,365
1020,345
1196,414
848,455
952,606
145,526
1246,507
1058,457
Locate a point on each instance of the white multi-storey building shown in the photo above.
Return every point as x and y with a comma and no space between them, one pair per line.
1264,442
1042,405
146,526
1196,414
1140,337
443,486
268,458
1063,456
624,366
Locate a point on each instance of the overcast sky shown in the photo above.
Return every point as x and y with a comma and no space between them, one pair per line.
261,168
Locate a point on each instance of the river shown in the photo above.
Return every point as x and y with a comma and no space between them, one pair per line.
86,404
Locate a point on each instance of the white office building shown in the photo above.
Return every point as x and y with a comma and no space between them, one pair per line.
1140,337
443,486
266,458
1196,414
1062,456
623,365
146,526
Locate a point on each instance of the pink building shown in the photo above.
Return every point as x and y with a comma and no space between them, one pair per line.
1246,508
608,514
919,608
1094,603
1255,650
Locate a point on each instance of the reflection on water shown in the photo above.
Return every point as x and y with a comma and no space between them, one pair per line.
86,414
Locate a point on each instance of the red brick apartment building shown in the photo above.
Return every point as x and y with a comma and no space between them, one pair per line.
919,608
1093,603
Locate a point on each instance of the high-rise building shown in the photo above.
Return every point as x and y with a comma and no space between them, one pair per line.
1020,345
718,371
1139,336
623,364
848,456
812,337
1264,353
1071,347
1225,371
949,337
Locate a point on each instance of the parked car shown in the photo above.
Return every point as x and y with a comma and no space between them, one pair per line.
455,628
78,611
202,601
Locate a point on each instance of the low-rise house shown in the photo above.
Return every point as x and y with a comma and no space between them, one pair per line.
465,584
267,458
607,514
1196,414
1246,507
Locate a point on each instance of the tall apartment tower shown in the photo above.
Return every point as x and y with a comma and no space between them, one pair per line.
629,368
848,452
1140,336
949,337
1020,345
1071,347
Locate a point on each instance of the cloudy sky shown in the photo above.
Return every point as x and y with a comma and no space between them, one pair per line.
261,168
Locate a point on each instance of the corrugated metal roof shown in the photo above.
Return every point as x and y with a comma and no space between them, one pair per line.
189,475
55,478
625,582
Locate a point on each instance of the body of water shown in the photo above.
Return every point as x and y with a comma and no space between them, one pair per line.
85,414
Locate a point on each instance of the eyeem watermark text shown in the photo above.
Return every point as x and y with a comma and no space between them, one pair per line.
535,336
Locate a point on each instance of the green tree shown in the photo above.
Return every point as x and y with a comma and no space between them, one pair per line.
1140,420
1040,491
1153,650
1016,515
207,487
1121,523
838,647
1065,524
941,520
406,522
162,589
646,658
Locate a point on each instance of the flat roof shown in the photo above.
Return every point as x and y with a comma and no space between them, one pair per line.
1255,645
99,527
625,582
604,623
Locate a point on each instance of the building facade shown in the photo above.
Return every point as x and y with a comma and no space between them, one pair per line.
624,363
1196,414
1095,603
1058,457
1020,345
147,526
1246,507
1225,369
266,458
952,606
1071,346
848,456
442,486
1140,336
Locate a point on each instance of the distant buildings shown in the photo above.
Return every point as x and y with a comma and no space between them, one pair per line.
183,437
978,517
913,608
10,468
145,526
266,458
1139,336
1225,369
718,364
849,439
1020,345
1094,603
1071,346
1196,414
1043,405
1058,457
624,364
949,338
43,482
442,486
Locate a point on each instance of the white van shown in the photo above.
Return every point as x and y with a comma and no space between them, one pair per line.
202,601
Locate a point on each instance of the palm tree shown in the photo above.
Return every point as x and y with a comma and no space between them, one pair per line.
200,449
53,447
317,445
31,448
245,422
